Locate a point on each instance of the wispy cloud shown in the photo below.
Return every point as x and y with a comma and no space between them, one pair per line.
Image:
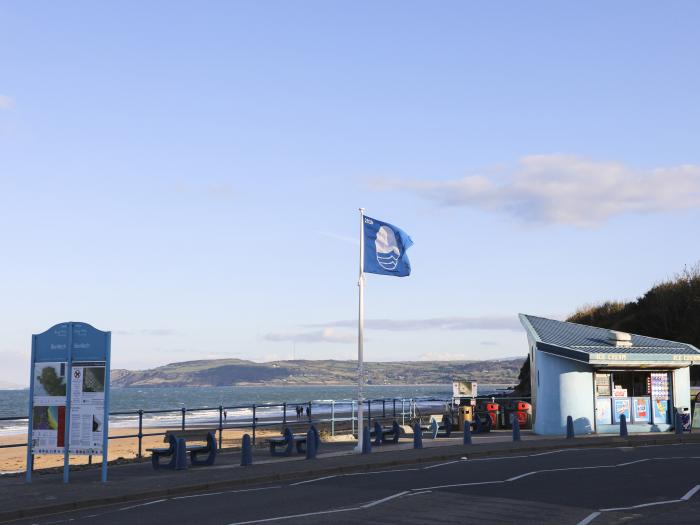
155,332
432,323
327,335
6,103
343,238
565,189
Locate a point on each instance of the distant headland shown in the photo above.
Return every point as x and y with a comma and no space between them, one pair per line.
225,372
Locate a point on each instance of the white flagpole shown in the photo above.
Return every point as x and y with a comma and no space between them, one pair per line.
361,333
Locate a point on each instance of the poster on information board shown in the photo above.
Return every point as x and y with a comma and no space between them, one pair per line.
87,408
69,394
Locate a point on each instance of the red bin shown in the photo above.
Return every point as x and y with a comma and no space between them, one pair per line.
492,411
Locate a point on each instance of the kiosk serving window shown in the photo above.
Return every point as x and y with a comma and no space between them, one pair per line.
642,396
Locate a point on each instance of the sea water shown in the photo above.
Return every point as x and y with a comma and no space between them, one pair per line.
14,403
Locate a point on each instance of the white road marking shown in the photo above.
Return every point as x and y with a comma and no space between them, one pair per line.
641,505
683,498
292,516
384,500
589,518
443,464
632,462
143,504
378,472
226,492
459,485
690,493
312,480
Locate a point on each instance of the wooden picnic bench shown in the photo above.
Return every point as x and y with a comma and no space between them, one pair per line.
180,442
288,441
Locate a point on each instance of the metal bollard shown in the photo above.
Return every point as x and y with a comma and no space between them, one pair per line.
467,440
478,428
417,436
570,427
678,424
623,425
366,441
516,428
317,438
311,443
180,454
246,451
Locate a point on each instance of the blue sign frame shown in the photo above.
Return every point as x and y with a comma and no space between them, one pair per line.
70,342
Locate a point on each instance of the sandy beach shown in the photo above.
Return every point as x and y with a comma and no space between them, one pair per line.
14,459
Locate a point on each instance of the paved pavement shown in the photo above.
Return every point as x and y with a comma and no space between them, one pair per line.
537,480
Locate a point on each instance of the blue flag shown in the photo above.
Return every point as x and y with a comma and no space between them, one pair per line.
385,249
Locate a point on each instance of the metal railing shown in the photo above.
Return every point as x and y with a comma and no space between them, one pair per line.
265,415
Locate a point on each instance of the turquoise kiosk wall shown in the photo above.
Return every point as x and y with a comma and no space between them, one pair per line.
69,394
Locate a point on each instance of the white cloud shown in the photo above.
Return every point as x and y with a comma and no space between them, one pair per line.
444,356
566,189
157,332
434,323
6,103
327,335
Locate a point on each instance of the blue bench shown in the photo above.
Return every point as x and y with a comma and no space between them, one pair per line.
381,434
178,447
439,423
289,441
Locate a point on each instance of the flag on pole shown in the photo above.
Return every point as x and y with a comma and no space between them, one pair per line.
385,248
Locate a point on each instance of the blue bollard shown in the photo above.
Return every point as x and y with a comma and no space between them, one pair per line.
467,439
317,437
366,441
516,428
417,436
678,423
377,433
478,428
246,451
311,444
180,454
623,425
569,427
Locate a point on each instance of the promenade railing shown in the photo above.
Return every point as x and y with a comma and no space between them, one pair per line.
335,414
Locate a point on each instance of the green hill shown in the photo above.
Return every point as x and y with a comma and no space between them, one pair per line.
225,372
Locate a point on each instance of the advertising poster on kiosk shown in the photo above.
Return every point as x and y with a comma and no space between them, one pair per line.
660,410
642,412
602,411
621,405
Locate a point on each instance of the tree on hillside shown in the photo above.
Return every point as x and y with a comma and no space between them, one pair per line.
669,310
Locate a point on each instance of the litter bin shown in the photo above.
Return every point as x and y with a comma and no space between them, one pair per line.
684,413
523,411
492,411
465,414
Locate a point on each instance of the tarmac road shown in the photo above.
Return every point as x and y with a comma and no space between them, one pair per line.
650,484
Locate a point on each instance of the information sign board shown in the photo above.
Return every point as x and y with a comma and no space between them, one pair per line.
69,394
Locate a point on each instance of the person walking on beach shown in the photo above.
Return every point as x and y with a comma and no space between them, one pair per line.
299,409
308,412
225,416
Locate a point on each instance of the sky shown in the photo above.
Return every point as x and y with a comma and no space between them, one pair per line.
188,175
